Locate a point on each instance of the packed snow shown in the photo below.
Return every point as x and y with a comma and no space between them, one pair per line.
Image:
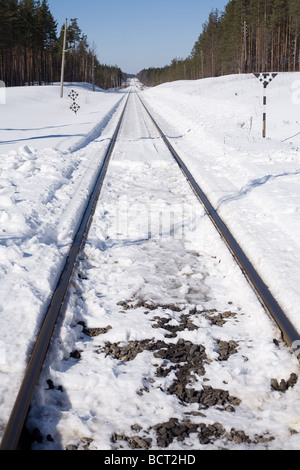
49,157
216,126
43,189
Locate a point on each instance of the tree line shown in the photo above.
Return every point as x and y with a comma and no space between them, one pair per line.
31,48
249,36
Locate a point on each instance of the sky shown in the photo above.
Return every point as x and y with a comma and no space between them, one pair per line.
138,34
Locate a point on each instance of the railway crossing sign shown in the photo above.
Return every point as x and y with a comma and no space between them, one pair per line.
75,107
265,79
73,95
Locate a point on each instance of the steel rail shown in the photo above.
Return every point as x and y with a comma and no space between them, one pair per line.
14,427
289,333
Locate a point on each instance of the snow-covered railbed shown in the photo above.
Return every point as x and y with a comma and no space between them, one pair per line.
216,127
43,191
163,343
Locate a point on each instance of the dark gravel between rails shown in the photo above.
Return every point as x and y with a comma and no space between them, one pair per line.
187,362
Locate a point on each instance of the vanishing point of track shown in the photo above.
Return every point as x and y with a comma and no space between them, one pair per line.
17,419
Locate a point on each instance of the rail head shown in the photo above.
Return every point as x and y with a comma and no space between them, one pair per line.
13,430
289,333
14,427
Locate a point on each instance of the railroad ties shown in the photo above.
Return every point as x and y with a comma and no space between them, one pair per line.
182,358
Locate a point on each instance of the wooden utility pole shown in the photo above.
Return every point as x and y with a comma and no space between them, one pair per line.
63,62
245,45
93,71
93,65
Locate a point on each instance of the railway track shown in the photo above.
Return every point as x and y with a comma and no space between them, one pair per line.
167,291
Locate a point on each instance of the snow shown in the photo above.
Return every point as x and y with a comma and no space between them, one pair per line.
141,249
251,181
43,190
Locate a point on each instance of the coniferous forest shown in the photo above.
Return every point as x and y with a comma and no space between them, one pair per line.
249,36
31,48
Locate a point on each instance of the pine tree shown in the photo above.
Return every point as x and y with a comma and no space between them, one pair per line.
231,53
46,40
294,21
8,39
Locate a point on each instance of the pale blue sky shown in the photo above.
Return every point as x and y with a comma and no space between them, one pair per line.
138,34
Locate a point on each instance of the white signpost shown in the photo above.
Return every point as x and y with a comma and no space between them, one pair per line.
2,93
265,79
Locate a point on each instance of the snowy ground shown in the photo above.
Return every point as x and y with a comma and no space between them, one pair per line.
48,162
216,125
48,165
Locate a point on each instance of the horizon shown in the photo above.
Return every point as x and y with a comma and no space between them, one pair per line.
135,37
